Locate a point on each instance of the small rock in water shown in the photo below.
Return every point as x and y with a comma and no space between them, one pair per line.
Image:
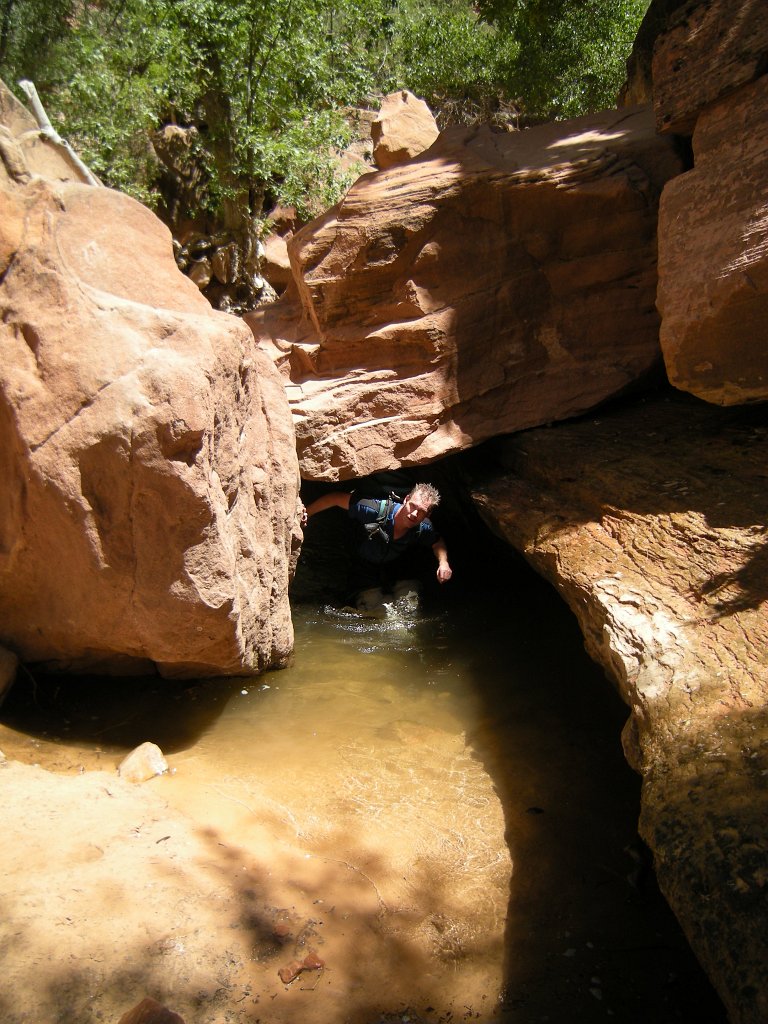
311,962
143,763
290,972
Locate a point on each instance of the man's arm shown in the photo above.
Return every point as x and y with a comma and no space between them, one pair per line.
444,570
329,500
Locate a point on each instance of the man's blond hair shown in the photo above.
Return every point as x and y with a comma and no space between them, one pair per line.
428,494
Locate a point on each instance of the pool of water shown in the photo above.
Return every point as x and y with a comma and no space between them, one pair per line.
454,774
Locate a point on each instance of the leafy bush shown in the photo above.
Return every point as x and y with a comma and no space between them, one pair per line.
572,53
264,84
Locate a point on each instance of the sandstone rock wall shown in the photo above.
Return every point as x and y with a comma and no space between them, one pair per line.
706,50
651,524
148,507
713,255
496,282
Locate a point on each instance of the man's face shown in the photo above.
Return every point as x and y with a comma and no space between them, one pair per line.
415,509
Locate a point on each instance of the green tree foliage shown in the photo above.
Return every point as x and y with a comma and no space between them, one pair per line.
264,83
446,54
572,53
27,28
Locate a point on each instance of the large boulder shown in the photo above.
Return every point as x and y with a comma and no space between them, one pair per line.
403,128
650,523
713,255
148,507
499,281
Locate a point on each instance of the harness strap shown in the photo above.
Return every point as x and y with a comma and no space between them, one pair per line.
383,507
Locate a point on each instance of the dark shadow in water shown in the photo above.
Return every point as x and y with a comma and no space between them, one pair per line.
115,714
588,934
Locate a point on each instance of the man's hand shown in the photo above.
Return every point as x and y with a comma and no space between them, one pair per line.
444,570
333,499
444,573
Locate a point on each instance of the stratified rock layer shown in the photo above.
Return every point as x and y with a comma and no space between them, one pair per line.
651,524
497,282
148,506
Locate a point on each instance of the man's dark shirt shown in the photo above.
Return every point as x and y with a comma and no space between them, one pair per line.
379,549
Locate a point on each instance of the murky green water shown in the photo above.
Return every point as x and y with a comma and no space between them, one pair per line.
462,766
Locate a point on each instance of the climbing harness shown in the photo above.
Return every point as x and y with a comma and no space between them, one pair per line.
383,508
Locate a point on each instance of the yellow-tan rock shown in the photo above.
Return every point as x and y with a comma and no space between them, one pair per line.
143,763
403,128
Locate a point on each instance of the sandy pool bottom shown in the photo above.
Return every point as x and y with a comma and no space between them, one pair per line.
113,892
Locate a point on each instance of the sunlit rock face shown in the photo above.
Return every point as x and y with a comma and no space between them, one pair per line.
709,81
650,523
403,128
499,281
149,474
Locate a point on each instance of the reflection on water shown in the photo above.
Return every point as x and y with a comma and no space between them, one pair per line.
459,769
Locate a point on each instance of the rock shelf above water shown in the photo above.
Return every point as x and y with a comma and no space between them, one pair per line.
650,521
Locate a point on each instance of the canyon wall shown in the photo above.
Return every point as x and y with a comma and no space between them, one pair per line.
650,521
499,283
494,284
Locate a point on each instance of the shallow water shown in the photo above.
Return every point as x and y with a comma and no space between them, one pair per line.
454,774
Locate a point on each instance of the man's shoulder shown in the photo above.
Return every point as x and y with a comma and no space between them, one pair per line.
365,508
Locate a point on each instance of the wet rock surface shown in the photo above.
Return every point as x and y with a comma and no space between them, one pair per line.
650,521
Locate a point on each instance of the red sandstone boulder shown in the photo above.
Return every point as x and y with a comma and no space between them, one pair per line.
276,266
497,282
403,128
709,82
147,512
713,255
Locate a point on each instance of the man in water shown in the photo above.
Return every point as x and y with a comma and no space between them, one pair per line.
390,527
